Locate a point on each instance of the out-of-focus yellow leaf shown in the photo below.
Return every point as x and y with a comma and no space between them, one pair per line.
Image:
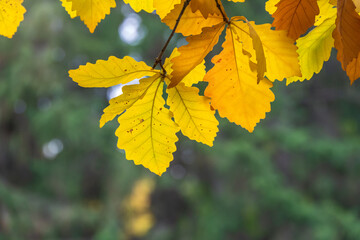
232,85
111,72
147,132
11,14
314,49
91,12
138,5
191,22
192,54
136,208
68,7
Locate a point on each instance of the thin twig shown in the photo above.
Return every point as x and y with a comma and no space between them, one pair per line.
226,19
158,60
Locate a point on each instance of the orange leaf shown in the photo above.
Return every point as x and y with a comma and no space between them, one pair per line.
295,16
191,22
193,53
347,32
232,85
353,69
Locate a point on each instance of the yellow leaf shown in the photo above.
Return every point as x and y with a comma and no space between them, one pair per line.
256,45
191,22
279,50
11,14
138,5
91,12
111,72
68,7
295,16
327,10
237,0
270,6
232,85
192,54
131,94
163,7
314,49
146,131
192,113
196,75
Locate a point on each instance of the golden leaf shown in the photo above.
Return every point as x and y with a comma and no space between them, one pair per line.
91,12
192,54
232,85
314,49
111,72
138,5
146,131
11,14
191,22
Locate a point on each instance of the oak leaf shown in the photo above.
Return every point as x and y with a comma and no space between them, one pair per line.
295,16
233,88
163,7
191,111
347,38
11,14
315,48
138,5
192,54
111,72
206,7
191,22
147,132
91,12
279,51
68,8
327,10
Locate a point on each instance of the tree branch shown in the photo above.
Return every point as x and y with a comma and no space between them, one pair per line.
226,19
158,60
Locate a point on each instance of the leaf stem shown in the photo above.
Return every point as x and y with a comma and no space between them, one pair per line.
222,11
158,60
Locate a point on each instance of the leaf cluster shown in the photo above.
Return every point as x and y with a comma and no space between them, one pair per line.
294,47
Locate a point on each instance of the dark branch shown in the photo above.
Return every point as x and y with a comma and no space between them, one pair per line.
226,19
158,60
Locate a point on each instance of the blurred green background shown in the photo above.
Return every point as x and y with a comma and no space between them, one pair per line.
62,177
